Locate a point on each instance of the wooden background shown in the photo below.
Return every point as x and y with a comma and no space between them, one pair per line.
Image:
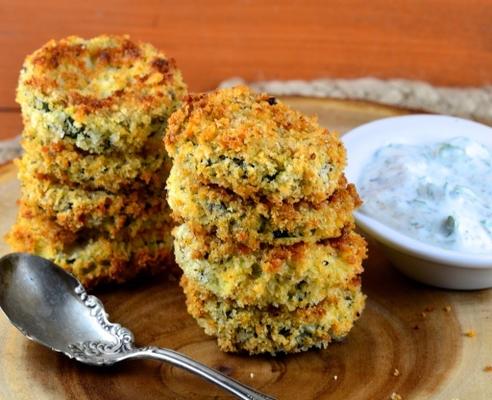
445,42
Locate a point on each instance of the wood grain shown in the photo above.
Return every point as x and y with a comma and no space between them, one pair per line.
443,42
10,124
406,326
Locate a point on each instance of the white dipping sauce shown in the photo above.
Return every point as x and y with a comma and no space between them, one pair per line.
440,193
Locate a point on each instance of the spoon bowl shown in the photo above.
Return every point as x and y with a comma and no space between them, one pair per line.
51,307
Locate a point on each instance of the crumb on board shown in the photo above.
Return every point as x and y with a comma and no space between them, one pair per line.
251,375
335,377
487,368
447,309
423,314
395,396
396,372
429,309
471,333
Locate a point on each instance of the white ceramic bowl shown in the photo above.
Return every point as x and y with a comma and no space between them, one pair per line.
423,262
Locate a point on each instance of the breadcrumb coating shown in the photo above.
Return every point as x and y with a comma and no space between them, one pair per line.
291,276
93,258
113,172
211,209
94,166
270,260
255,146
76,209
274,329
120,226
102,94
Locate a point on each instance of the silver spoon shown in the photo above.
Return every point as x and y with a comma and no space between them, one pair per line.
51,307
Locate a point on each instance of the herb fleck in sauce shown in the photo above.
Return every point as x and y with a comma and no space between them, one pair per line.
440,193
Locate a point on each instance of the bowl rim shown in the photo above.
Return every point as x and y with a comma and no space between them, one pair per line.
389,236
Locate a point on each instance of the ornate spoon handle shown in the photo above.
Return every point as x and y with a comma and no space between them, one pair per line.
180,360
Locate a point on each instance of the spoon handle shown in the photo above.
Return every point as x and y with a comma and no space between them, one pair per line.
180,360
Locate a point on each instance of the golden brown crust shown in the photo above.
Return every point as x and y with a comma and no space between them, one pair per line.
113,172
94,258
255,147
292,276
274,329
103,94
76,209
212,209
77,61
94,168
266,244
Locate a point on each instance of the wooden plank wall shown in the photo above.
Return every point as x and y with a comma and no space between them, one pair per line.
445,42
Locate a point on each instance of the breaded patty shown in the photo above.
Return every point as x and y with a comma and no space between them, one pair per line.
77,209
292,276
255,146
113,172
232,218
119,227
104,94
275,329
93,257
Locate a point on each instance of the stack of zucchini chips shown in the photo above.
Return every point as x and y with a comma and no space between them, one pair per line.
266,243
94,166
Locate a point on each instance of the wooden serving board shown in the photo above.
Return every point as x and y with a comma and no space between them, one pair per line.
417,330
